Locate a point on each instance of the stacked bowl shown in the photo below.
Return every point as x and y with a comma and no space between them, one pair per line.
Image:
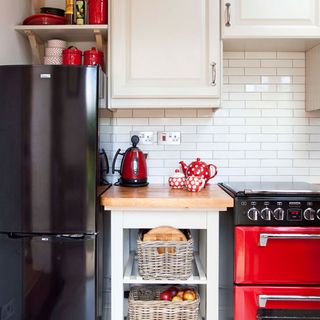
53,52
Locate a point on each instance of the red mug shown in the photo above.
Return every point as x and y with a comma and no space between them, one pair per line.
72,56
93,57
98,11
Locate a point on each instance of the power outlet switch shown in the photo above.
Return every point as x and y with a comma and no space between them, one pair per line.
169,138
146,137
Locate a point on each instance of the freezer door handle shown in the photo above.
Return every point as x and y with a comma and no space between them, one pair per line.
75,236
16,235
263,298
47,237
264,237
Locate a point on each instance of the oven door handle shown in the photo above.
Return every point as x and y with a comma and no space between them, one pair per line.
264,237
263,298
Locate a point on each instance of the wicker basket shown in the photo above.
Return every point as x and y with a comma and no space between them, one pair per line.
145,304
165,260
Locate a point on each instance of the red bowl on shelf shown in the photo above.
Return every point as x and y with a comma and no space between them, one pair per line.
44,18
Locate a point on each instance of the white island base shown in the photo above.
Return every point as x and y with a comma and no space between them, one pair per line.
204,225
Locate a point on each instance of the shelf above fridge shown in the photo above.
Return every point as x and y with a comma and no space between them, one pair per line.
67,32
38,34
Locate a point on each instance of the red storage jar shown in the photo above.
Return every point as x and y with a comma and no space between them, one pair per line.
72,56
93,57
98,11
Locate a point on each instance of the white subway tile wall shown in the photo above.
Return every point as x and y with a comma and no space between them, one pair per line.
261,132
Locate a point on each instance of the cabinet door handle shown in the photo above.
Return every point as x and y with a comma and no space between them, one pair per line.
214,73
228,23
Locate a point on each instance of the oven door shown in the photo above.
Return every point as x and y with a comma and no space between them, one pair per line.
254,302
277,255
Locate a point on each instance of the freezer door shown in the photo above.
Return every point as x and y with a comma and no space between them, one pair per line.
48,140
50,278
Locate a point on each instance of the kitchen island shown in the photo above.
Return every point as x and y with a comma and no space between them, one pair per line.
133,209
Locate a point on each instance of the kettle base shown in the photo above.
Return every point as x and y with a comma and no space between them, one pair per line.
132,182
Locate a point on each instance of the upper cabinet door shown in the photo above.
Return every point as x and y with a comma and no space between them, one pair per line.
165,49
270,18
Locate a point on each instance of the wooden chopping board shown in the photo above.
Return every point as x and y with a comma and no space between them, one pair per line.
164,233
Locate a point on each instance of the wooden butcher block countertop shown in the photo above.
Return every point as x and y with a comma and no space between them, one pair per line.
161,196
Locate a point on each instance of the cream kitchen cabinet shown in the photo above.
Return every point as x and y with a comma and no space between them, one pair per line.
270,19
164,53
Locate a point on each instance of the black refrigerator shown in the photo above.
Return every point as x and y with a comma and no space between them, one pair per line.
49,231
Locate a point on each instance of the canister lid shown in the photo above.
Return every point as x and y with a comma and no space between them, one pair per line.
72,50
93,51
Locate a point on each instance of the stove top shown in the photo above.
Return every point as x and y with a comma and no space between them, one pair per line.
279,203
271,188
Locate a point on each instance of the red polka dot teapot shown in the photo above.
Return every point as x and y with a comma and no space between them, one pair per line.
200,169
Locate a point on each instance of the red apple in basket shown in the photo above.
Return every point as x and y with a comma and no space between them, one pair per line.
173,290
166,295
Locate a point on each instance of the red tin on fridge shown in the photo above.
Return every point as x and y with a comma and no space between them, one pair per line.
93,57
72,56
98,12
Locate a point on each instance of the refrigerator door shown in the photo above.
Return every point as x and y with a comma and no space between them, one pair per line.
50,278
48,138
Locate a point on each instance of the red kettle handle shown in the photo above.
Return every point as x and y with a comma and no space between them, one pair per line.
215,171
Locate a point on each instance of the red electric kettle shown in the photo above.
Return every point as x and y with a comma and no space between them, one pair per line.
133,168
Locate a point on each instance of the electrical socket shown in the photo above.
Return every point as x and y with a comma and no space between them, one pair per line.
146,137
168,138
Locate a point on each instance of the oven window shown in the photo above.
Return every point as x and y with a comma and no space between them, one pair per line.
286,314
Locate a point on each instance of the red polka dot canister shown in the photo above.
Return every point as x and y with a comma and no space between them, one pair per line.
195,184
177,181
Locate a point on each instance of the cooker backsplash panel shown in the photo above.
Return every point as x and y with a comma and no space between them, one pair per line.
261,132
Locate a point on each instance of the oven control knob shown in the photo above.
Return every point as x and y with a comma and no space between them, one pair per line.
309,214
278,214
266,214
318,214
253,214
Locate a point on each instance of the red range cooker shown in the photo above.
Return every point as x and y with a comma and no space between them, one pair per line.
276,250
